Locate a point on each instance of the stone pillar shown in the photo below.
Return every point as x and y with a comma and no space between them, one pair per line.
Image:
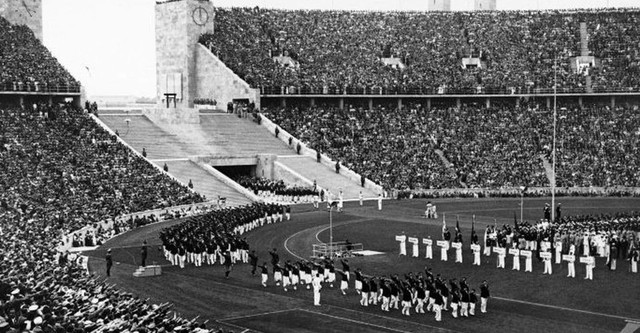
399,103
370,103
341,103
488,102
613,102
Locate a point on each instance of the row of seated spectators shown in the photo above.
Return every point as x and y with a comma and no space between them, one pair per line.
392,147
340,51
59,174
26,63
98,233
499,146
274,186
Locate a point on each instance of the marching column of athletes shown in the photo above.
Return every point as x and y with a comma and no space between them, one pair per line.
419,293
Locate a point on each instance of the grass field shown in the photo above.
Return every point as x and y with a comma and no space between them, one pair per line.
529,302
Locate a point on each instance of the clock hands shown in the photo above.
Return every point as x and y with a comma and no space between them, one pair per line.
29,11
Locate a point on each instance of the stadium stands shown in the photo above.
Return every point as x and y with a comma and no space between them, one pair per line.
29,66
488,147
60,172
339,52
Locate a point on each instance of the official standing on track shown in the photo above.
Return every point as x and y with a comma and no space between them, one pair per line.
316,290
143,254
484,296
109,262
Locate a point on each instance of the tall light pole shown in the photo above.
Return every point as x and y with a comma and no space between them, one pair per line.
553,164
331,231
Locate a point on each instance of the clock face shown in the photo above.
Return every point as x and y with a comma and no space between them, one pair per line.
200,16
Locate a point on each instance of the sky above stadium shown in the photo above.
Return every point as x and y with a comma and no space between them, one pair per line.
109,45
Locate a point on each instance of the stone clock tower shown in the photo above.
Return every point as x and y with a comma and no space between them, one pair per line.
23,12
179,25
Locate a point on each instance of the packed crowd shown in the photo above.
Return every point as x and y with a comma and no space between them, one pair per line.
421,292
338,52
215,236
496,147
98,233
391,147
27,64
60,172
276,189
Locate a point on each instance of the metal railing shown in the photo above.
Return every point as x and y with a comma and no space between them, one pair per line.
35,87
392,91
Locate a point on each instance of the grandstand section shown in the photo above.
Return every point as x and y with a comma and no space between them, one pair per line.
339,52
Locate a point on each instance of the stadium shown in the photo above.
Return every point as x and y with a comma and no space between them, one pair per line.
328,170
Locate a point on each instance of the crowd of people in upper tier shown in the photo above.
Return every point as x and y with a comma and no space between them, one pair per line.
27,65
473,146
59,172
336,52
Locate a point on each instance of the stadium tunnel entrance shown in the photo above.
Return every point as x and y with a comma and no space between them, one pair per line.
237,171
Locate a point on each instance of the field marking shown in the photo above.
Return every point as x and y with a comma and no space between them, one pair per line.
238,326
355,321
286,247
563,308
383,317
258,314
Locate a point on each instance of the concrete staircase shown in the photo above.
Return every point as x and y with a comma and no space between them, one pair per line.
140,133
584,51
237,135
325,177
204,182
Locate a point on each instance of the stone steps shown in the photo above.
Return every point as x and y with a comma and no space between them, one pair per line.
140,133
204,182
325,177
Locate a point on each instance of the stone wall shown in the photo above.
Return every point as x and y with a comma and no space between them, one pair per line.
214,80
23,12
179,25
173,116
